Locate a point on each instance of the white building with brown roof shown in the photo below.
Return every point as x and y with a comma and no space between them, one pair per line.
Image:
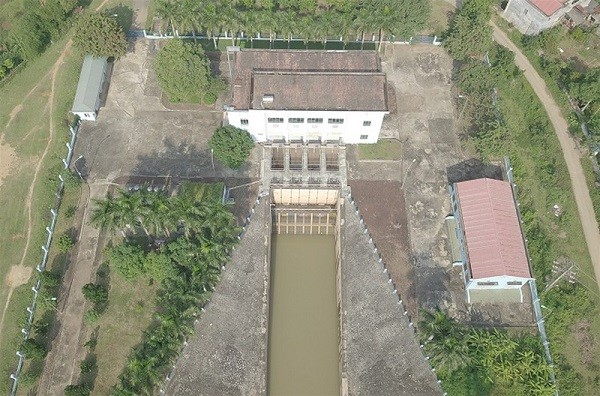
491,245
297,95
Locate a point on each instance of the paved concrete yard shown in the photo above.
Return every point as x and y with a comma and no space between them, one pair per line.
136,135
382,353
227,355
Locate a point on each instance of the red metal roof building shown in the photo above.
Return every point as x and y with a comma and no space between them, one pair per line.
489,231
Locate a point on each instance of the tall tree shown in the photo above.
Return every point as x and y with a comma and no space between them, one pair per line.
231,145
98,34
183,71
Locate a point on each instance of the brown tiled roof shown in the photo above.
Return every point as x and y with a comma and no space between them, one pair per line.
315,80
320,91
492,230
548,7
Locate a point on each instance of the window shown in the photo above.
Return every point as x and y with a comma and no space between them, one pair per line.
296,120
487,283
364,137
525,12
275,120
314,120
244,121
366,123
514,283
335,121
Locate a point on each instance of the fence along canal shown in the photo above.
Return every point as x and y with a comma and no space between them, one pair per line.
304,318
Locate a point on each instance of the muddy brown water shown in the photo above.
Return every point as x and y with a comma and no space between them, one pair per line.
303,328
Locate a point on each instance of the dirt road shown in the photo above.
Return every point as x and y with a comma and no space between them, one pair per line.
569,149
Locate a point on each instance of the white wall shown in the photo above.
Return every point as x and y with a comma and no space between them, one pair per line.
350,131
529,20
91,116
501,280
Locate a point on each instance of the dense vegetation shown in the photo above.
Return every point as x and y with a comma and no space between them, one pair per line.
309,19
183,242
99,34
183,72
231,145
473,361
502,116
40,23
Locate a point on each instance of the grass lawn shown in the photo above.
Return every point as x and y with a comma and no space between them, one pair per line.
28,135
438,17
384,149
120,328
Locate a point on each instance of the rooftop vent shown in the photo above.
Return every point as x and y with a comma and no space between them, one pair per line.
268,98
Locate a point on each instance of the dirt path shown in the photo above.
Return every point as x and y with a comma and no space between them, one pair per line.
28,203
569,149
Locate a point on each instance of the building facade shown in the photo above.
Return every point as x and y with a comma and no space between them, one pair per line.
89,88
532,17
491,246
292,95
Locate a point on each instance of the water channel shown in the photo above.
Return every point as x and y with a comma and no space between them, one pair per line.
303,329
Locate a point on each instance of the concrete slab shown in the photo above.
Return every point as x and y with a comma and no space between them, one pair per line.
382,355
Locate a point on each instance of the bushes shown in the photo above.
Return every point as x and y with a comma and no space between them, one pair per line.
33,349
231,145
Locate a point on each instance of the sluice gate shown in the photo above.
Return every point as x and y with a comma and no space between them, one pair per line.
304,220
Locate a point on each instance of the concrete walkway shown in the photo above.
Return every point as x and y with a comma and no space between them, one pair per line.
570,151
62,362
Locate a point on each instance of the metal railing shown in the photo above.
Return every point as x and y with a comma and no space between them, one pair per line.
41,267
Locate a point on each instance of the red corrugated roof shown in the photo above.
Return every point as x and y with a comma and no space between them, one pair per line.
492,231
548,7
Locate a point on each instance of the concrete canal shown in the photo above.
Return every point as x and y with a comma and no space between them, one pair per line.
303,338
304,326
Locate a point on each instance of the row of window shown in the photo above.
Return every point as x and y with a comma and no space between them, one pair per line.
278,120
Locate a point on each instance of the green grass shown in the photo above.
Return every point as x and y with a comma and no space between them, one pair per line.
438,18
129,313
28,135
540,187
384,149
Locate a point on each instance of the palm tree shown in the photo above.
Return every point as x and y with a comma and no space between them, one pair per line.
287,22
210,21
107,214
168,9
249,26
362,23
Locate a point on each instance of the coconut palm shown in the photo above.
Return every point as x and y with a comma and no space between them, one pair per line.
108,215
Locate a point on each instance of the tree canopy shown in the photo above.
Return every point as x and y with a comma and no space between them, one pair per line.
99,34
310,19
469,35
183,71
231,145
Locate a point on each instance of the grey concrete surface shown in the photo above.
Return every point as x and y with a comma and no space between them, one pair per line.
136,135
382,355
227,355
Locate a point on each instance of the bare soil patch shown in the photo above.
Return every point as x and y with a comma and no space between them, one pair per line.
18,276
381,204
8,157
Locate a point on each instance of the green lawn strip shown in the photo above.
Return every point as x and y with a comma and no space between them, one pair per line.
384,149
120,328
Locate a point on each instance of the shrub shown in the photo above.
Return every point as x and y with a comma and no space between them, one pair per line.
231,145
64,243
97,294
91,316
209,98
77,390
33,349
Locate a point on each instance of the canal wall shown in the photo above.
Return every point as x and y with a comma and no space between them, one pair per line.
381,353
